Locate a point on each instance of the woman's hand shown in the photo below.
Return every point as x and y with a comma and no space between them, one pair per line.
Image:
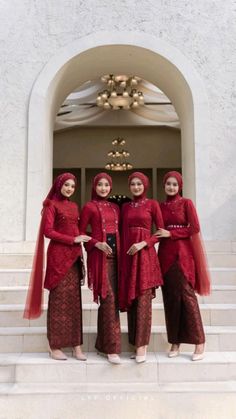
104,247
161,232
83,238
136,247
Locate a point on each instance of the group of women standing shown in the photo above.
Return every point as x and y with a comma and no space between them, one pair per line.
124,269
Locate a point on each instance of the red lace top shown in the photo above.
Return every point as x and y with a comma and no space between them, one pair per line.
61,226
181,219
140,271
103,217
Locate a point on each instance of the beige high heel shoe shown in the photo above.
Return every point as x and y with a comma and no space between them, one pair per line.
198,356
57,354
114,359
80,356
141,358
173,353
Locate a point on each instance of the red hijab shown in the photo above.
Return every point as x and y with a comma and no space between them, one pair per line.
145,181
177,176
55,191
96,179
203,282
34,300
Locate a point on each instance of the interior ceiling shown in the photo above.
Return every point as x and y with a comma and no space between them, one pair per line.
80,109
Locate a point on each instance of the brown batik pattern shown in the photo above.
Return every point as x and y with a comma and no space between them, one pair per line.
140,319
108,323
64,318
183,318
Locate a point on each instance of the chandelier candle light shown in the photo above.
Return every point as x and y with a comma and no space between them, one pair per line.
120,93
118,156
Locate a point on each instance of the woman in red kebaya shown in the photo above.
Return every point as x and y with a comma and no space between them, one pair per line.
183,267
103,252
140,271
60,224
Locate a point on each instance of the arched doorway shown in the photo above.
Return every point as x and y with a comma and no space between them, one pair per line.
150,58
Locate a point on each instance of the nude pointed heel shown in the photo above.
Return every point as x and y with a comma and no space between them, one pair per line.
174,353
198,356
57,354
141,358
114,359
80,357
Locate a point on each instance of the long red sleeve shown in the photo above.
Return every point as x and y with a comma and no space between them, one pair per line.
87,217
157,220
49,231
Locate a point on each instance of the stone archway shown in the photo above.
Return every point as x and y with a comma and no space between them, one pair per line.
116,52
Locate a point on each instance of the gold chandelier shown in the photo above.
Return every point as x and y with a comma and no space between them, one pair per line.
120,93
118,156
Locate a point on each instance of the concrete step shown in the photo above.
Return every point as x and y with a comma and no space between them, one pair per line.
223,276
39,368
220,246
17,294
33,339
222,294
124,389
224,259
11,315
10,277
204,399
16,261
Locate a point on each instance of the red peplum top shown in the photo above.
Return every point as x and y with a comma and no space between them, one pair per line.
177,215
140,271
61,226
184,247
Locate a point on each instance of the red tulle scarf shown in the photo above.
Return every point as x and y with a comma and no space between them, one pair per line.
34,300
202,280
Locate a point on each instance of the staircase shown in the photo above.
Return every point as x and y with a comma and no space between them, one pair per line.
160,388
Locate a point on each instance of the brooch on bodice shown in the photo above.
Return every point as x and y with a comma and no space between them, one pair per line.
135,204
173,202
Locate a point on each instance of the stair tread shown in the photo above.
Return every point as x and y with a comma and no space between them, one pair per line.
93,329
155,306
122,388
215,287
43,358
